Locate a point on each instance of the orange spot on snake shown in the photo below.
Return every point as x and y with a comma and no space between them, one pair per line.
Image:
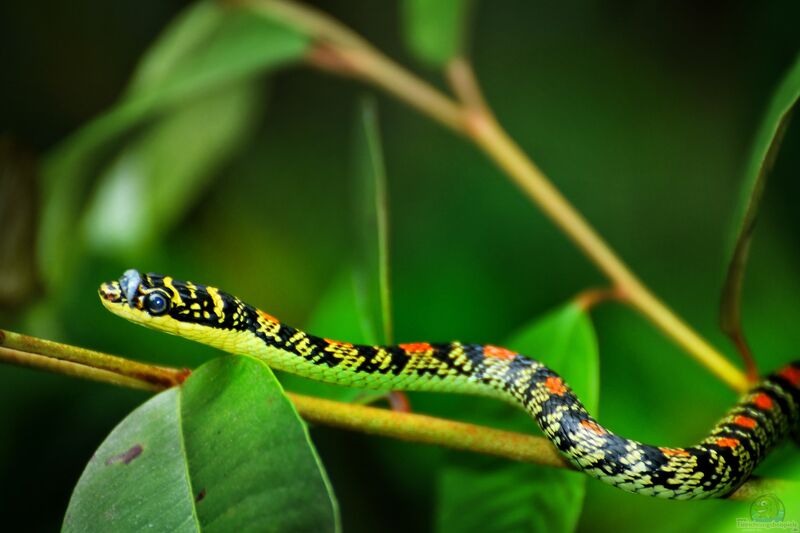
791,374
674,451
763,401
268,316
555,385
338,343
744,421
416,347
727,443
498,352
594,427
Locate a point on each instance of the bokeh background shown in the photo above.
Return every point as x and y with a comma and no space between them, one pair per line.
641,112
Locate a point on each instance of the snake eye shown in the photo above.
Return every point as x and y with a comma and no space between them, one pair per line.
156,303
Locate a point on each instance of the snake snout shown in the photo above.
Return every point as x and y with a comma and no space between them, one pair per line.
110,292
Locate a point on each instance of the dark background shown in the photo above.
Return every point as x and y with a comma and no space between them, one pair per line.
642,113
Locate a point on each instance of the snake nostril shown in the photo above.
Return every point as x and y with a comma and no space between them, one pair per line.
109,292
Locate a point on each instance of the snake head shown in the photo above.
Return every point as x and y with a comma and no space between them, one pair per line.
138,297
174,306
125,290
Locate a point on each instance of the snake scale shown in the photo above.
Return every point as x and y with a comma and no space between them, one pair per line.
715,467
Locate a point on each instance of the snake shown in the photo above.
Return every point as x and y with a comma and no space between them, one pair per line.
716,467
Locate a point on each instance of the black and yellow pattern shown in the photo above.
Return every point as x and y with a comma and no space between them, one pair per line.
713,468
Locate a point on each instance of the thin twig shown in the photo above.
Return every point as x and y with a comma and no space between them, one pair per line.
369,65
488,134
429,430
355,57
751,369
465,85
589,298
157,375
68,368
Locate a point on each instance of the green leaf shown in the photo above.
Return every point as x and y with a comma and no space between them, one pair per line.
372,227
435,31
154,180
489,494
224,452
183,37
210,47
137,474
762,157
239,45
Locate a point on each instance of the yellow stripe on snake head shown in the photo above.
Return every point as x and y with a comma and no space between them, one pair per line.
192,289
176,297
218,303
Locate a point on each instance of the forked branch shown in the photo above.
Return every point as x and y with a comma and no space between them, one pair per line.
339,49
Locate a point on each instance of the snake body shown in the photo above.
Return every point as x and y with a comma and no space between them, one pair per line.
715,467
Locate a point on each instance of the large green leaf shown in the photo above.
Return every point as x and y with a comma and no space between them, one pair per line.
489,494
435,31
209,47
224,452
762,157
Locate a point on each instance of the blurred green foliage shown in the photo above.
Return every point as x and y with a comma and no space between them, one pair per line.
641,112
434,31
